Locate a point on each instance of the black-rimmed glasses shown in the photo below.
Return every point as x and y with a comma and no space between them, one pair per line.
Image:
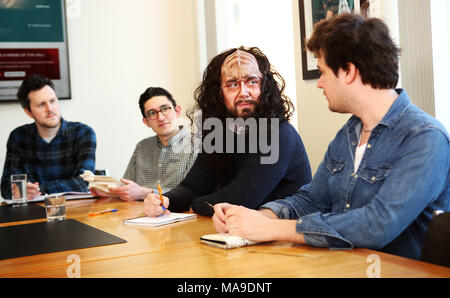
153,114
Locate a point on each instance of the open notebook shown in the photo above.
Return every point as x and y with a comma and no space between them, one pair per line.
70,195
160,220
225,241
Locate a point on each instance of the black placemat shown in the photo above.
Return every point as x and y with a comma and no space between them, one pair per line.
47,237
8,213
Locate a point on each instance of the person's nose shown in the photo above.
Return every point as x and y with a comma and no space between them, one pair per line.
160,116
320,83
48,108
243,90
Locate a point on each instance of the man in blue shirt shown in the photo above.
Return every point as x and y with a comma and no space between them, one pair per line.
51,151
383,175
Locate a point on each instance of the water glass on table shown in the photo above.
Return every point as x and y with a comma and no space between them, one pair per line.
55,207
19,189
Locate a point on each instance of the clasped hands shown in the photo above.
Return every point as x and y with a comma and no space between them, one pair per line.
130,191
255,225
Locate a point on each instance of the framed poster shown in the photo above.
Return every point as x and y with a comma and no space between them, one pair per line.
33,40
312,12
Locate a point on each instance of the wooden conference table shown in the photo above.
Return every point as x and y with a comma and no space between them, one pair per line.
175,251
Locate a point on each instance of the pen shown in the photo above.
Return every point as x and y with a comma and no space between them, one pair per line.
102,212
210,205
160,197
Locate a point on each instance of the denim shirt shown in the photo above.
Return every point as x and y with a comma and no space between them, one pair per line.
387,204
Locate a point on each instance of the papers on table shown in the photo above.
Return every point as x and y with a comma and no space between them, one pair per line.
70,195
160,220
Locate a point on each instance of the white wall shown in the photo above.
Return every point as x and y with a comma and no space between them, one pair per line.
117,49
440,27
237,27
317,125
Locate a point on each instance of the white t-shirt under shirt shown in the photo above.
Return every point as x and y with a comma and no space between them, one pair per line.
359,153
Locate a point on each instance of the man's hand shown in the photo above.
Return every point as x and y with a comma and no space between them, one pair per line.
130,191
250,224
99,193
219,217
33,190
152,205
262,225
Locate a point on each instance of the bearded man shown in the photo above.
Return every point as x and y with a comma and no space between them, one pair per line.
242,95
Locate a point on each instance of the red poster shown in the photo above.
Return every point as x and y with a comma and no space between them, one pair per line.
16,64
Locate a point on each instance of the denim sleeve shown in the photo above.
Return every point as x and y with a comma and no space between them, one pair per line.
310,199
314,234
417,178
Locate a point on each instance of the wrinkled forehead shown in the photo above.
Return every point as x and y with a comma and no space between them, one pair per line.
240,64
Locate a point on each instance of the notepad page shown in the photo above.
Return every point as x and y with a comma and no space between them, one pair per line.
160,220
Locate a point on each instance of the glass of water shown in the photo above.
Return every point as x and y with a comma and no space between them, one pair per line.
19,189
55,207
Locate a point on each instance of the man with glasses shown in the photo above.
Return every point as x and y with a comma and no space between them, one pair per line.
163,159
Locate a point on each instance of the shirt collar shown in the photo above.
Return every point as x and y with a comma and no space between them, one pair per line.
63,130
397,109
175,139
394,113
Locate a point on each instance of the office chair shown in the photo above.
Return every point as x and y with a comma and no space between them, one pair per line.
101,172
436,247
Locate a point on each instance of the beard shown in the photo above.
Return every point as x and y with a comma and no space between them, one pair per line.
47,123
245,112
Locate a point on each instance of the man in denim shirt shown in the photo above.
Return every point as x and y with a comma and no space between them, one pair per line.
383,175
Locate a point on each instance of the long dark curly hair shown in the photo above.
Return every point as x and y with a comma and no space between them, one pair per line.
273,103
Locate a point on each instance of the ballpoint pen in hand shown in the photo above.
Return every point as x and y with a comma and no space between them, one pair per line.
210,205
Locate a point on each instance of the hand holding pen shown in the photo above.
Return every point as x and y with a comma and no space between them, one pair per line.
155,204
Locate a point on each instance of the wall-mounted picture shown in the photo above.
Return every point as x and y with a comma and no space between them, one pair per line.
33,40
312,12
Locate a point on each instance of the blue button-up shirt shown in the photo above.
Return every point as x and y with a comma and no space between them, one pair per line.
55,165
387,204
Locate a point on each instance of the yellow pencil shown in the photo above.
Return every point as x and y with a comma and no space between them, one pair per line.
160,197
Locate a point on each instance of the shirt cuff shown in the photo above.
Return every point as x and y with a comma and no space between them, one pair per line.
317,233
279,209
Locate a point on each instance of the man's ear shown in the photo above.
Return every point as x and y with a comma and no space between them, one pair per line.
145,121
28,112
178,110
350,73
